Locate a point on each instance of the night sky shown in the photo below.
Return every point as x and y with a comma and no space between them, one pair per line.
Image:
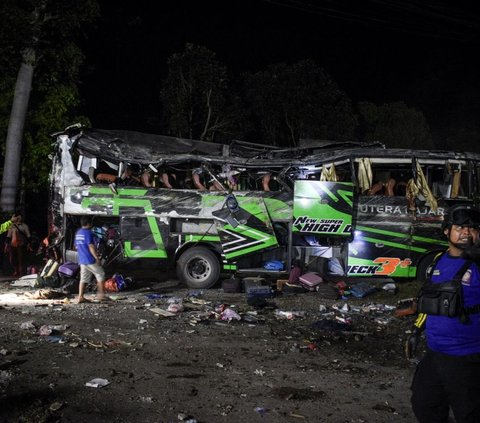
419,52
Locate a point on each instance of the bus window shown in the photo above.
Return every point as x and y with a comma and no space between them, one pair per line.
344,172
449,180
389,180
460,182
440,179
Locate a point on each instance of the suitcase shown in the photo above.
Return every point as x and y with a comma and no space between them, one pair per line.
232,285
252,281
259,292
68,269
310,280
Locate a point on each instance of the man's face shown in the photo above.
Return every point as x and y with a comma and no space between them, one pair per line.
462,237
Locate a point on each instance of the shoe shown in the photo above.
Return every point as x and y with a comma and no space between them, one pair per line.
113,187
91,174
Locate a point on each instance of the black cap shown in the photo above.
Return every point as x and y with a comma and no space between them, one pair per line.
462,215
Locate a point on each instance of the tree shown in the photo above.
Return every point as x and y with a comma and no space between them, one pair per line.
38,36
394,124
296,101
194,94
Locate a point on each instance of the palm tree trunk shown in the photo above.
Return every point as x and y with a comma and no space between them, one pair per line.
16,123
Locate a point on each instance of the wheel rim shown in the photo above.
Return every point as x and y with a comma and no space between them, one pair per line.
199,269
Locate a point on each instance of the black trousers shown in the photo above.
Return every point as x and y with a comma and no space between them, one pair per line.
443,381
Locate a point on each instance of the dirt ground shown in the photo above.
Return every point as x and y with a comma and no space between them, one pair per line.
319,366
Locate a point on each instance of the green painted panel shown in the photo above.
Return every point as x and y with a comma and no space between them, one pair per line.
116,203
277,209
323,208
252,232
380,266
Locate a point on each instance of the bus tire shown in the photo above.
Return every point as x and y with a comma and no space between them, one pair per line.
198,267
423,266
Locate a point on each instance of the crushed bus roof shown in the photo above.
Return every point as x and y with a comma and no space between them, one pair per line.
142,148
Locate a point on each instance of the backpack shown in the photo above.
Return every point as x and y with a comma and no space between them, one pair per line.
121,283
69,269
115,284
445,298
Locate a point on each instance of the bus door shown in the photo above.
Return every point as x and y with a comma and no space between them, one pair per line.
323,208
322,220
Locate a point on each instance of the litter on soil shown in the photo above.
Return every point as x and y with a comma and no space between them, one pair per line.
296,356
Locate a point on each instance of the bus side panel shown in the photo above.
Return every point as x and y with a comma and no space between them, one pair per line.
389,240
279,205
382,238
144,214
132,201
157,206
143,237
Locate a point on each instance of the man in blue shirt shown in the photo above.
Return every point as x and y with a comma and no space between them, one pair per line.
449,373
88,260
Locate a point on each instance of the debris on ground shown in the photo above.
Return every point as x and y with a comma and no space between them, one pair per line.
285,351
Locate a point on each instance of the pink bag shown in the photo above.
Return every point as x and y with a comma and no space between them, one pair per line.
310,280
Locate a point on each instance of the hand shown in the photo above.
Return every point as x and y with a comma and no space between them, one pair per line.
411,344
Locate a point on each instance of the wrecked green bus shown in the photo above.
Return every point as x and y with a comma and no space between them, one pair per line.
209,210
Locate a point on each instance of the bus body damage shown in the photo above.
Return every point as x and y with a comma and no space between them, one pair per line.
348,209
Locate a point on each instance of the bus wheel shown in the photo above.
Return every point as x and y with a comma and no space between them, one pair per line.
422,267
198,267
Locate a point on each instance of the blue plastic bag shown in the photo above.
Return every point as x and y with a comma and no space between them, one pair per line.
121,284
273,265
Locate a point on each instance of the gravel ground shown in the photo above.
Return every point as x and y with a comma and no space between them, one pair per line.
319,366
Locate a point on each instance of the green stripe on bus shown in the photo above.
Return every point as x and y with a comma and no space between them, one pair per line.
120,190
230,267
198,238
382,231
400,235
394,244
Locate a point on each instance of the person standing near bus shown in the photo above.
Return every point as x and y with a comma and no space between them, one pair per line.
5,248
18,238
449,373
89,261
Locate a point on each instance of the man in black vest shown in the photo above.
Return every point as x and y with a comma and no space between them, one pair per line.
449,373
